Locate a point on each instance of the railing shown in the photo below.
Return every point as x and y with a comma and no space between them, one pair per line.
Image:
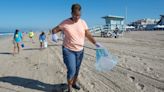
106,30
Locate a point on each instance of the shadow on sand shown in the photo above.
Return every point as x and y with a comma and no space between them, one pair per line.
31,49
6,53
34,84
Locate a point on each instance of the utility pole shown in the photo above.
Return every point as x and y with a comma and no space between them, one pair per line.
126,14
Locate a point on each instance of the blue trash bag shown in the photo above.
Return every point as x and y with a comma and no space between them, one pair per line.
105,61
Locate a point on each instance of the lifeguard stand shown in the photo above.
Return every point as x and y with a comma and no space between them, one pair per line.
114,21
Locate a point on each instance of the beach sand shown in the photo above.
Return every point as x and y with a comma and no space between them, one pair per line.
140,66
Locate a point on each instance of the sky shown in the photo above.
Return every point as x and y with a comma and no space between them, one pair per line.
46,14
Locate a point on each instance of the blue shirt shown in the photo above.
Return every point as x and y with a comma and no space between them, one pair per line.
42,37
18,37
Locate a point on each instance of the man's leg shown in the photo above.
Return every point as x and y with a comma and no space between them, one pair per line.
79,57
70,62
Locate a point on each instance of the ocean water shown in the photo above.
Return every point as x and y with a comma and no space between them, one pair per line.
5,34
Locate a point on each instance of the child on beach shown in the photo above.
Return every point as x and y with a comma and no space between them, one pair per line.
17,40
31,35
42,39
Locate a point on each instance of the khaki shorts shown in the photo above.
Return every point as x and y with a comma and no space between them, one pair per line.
15,43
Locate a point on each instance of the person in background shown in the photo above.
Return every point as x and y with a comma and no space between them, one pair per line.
31,36
42,39
17,39
116,31
75,30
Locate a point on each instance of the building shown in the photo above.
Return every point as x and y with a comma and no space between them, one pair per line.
160,24
113,22
145,24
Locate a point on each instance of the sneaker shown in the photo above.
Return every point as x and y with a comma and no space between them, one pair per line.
69,89
76,86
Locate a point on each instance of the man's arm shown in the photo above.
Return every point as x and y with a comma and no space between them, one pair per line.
56,30
89,36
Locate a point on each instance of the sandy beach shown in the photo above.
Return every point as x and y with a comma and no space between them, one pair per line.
140,66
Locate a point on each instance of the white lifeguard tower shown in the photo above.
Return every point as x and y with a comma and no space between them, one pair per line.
113,22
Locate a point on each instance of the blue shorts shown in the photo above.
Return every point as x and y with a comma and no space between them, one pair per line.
72,60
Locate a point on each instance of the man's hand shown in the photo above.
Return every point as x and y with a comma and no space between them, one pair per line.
98,45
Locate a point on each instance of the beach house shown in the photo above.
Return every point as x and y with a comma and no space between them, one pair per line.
145,24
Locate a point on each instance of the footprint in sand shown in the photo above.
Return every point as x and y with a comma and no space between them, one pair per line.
140,86
157,75
119,56
59,72
126,59
132,78
149,69
26,58
140,59
88,58
133,56
145,63
36,66
92,85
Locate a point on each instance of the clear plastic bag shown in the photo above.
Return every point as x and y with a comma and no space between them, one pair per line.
105,61
54,38
45,44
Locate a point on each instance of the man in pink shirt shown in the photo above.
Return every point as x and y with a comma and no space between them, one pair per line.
75,30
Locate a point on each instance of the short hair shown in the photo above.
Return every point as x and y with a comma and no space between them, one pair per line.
42,33
76,7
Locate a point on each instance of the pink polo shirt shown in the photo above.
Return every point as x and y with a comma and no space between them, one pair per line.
74,34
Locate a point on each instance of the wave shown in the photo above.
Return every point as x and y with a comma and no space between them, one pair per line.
6,33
